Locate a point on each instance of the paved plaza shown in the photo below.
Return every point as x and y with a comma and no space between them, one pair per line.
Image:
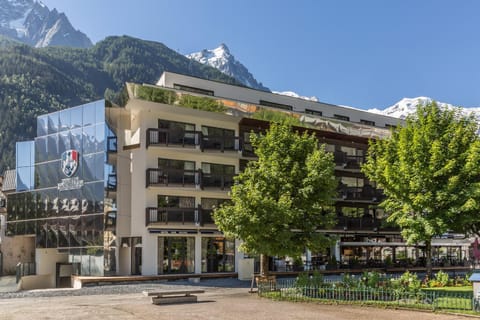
223,299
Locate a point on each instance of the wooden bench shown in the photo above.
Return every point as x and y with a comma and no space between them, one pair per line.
173,296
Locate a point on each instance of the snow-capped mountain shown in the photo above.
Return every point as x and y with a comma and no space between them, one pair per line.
31,22
407,106
296,95
221,59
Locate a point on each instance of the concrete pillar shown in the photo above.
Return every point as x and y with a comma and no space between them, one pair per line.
198,253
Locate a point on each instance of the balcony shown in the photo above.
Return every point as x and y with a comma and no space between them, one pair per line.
192,139
187,178
362,223
183,216
171,216
222,181
166,137
348,161
220,143
175,177
365,193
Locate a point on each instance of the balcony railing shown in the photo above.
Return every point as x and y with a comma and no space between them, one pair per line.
165,177
362,223
365,193
348,161
167,137
167,215
190,138
188,178
222,181
190,216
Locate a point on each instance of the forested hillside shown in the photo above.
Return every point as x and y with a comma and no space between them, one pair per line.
35,81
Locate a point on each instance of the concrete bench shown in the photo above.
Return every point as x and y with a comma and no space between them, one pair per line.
173,296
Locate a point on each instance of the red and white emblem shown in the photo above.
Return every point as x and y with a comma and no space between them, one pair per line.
70,162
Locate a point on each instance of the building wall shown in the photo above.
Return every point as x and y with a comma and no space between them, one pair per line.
17,249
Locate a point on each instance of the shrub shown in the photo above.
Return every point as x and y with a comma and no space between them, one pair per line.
201,103
155,94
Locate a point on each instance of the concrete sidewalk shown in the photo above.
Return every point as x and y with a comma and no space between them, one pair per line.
8,284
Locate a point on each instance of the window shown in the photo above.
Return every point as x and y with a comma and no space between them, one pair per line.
218,169
176,164
367,122
313,112
340,117
175,202
218,138
275,105
193,89
212,203
387,125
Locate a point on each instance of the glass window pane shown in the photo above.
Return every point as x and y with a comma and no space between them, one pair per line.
24,179
64,141
53,123
88,114
76,119
64,120
100,111
89,140
24,153
76,140
100,138
42,125
41,153
52,147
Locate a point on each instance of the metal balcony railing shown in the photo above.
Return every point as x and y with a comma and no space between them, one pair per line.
184,216
365,193
187,178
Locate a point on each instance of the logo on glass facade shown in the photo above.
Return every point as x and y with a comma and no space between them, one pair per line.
70,162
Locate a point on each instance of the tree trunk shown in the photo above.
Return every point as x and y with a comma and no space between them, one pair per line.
428,258
263,265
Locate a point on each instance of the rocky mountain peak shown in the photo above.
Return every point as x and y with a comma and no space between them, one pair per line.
221,59
33,23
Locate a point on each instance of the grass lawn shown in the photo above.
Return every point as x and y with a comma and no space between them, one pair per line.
451,289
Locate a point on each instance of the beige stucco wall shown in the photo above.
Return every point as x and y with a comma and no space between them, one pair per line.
17,249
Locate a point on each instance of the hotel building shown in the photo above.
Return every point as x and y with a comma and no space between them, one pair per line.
129,190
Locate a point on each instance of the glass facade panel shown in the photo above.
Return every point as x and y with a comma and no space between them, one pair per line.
53,122
176,255
89,141
89,111
41,153
64,120
66,211
24,178
42,125
76,117
52,147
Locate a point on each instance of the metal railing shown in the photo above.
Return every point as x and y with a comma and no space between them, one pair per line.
420,299
163,215
24,269
187,178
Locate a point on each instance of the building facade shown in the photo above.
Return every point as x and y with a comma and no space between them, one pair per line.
130,190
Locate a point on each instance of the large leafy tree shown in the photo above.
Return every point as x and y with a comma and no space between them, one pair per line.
281,200
429,169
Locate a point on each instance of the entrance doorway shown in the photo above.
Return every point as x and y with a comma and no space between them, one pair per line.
176,255
136,255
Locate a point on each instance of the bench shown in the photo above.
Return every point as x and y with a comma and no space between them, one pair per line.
173,296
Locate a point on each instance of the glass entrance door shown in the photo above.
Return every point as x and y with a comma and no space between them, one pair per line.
176,255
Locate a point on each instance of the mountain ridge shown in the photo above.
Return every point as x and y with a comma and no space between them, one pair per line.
221,59
33,23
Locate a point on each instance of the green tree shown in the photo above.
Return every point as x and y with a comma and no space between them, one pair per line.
281,201
429,169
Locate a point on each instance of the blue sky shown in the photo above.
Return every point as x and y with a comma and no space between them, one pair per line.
365,54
